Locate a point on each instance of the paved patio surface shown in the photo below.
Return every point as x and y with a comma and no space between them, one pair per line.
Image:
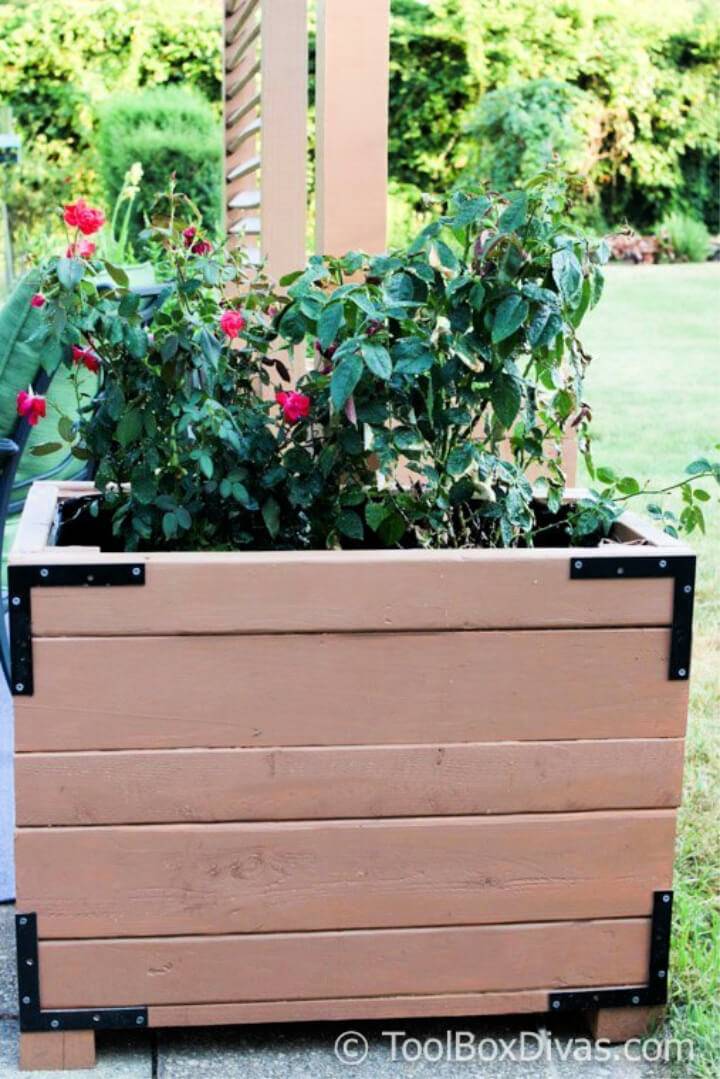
308,1050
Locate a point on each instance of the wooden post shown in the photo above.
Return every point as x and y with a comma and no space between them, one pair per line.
353,53
266,65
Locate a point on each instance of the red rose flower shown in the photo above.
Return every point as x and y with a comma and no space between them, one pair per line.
202,247
295,406
189,235
31,406
232,323
78,215
38,300
83,249
86,356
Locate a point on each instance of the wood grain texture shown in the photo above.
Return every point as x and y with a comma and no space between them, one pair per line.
57,1051
391,962
315,783
619,1024
347,591
347,689
160,880
307,1011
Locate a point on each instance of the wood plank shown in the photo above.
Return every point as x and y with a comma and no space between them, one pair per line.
306,1011
395,962
353,41
619,1024
350,591
346,689
57,1050
308,783
299,876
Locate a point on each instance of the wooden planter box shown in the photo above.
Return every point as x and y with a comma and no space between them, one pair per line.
273,787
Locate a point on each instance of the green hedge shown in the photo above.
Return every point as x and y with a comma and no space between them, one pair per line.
168,130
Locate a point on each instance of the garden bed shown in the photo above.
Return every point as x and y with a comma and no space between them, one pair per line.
344,785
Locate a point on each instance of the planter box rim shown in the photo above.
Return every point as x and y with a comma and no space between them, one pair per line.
634,536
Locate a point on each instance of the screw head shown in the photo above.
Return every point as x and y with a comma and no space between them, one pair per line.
90,578
44,572
26,1000
54,1023
578,565
140,1020
663,563
661,974
19,687
136,571
682,672
621,571
636,1000
29,963
23,920
556,1004
96,1019
687,589
666,899
16,601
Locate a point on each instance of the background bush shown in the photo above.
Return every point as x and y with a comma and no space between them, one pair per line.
168,130
687,237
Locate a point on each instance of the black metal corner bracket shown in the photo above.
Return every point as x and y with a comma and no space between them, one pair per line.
681,568
654,993
21,581
33,1018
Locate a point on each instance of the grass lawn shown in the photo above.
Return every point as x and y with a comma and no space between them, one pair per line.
655,390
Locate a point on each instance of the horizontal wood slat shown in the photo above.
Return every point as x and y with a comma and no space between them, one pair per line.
348,591
305,1011
276,877
158,786
343,689
187,970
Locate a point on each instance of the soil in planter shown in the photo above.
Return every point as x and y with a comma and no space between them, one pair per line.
78,524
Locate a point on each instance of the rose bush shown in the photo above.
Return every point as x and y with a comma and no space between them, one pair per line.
442,377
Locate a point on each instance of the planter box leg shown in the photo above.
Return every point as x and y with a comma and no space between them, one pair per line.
48,1051
619,1024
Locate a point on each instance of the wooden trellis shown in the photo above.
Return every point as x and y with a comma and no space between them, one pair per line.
266,118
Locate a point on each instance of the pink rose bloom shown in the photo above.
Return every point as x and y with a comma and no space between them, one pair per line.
295,406
31,406
84,249
202,247
232,323
87,357
189,235
78,215
38,300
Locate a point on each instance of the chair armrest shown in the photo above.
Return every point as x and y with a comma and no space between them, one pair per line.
8,448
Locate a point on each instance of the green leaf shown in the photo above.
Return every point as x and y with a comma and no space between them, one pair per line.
606,475
271,517
344,379
290,278
169,525
377,359
292,324
460,460
70,272
509,316
329,323
628,485
117,274
210,346
184,519
477,295
350,524
515,215
363,301
568,276
206,465
375,514
506,398
129,428
136,341
46,448
66,428
129,305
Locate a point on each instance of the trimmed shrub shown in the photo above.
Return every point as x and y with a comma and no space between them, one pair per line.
687,237
168,130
